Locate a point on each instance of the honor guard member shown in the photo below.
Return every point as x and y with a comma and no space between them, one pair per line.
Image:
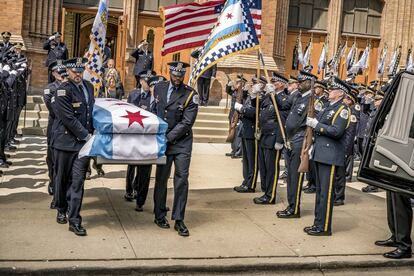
57,68
177,103
247,113
348,141
144,59
56,49
203,82
12,83
367,105
5,45
73,105
295,132
328,153
319,104
138,176
271,141
236,145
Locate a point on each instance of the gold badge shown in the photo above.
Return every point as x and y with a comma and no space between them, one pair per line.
78,104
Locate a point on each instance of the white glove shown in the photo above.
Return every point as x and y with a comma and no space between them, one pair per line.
270,88
52,37
257,88
1,68
311,122
13,72
24,65
238,106
21,69
278,146
6,68
231,83
88,137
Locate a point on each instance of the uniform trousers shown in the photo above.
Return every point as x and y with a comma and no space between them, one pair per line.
16,121
50,166
203,85
294,179
400,219
341,177
138,179
3,137
250,162
311,175
181,163
269,166
70,172
324,180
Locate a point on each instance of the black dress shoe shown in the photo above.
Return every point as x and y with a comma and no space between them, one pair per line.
61,218
1,173
88,175
287,214
387,243
180,227
162,223
7,155
311,190
77,229
229,154
308,228
263,200
3,164
50,189
139,208
52,204
316,232
370,189
236,156
339,203
8,162
9,147
283,175
243,189
399,254
129,197
100,172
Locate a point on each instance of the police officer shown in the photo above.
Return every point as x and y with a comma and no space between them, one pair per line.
295,131
319,104
247,113
233,90
144,59
349,139
5,45
139,174
73,127
328,153
271,140
203,82
367,105
177,103
59,73
56,50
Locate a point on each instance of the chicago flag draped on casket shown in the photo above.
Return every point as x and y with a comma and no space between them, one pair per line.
124,131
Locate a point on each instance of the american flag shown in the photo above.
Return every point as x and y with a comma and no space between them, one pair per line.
189,25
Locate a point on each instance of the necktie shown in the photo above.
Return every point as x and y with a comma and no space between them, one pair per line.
172,90
84,92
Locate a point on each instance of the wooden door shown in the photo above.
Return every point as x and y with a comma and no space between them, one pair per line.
121,46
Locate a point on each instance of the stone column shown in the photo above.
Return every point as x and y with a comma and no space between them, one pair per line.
280,33
334,25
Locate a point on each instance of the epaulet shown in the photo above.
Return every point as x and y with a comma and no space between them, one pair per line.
189,88
192,96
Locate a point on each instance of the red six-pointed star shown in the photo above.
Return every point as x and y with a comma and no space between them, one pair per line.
229,16
135,117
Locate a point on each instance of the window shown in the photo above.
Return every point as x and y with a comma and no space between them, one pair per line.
176,57
153,5
308,14
150,39
362,17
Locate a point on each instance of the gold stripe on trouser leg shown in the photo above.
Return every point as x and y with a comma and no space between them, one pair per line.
331,180
276,177
298,192
256,149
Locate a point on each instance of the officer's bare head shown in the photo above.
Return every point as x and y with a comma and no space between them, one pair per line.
75,74
304,85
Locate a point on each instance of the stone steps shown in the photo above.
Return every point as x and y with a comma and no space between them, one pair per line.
211,125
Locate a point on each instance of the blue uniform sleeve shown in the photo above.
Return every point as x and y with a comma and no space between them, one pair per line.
338,126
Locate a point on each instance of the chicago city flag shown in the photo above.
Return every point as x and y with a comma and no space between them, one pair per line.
233,33
125,132
94,69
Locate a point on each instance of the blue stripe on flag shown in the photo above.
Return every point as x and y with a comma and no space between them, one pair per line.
161,139
102,120
102,146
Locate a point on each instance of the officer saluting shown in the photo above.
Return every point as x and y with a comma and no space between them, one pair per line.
73,127
56,50
5,45
177,103
328,153
144,59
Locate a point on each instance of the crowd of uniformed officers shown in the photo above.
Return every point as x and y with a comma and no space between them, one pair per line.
282,106
14,73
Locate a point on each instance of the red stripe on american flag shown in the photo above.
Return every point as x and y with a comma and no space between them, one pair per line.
172,21
192,24
182,47
189,35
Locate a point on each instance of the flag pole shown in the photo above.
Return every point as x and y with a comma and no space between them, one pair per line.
257,131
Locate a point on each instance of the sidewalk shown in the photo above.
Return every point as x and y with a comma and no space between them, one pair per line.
228,232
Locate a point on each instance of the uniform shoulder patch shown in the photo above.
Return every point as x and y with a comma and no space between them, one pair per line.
61,93
353,119
357,107
46,91
344,114
196,99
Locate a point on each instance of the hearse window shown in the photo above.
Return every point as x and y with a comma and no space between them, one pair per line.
412,129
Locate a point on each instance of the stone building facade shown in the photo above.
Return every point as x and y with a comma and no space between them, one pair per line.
377,22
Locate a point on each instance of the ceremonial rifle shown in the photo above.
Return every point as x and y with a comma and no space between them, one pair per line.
307,141
236,116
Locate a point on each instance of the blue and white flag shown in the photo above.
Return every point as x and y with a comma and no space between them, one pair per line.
381,64
124,131
95,55
362,63
233,33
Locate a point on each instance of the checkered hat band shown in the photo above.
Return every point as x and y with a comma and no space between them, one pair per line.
335,85
274,78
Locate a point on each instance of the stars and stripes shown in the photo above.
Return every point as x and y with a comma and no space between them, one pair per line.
188,25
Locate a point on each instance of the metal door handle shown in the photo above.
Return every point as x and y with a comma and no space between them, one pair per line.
393,168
